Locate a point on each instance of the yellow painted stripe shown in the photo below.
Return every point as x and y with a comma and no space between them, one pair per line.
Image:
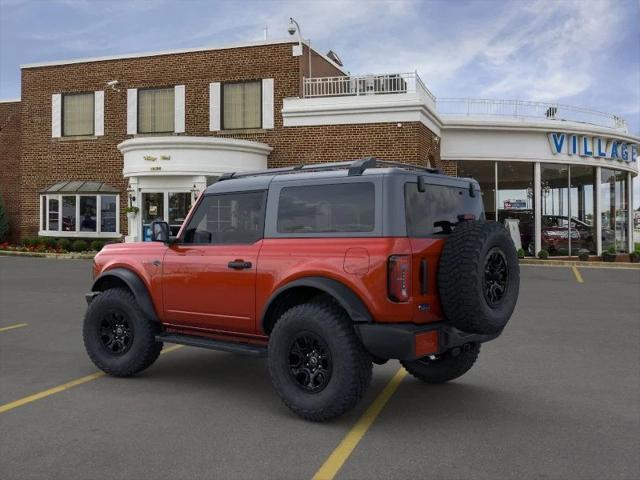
65,386
11,327
342,452
576,272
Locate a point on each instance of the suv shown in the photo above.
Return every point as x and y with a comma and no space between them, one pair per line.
325,269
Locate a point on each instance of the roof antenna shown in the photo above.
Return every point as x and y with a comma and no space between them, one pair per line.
266,32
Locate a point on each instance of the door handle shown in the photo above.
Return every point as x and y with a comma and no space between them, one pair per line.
239,264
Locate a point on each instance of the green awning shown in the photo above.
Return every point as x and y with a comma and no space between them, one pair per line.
80,186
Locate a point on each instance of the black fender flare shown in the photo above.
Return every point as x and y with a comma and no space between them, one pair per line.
346,297
134,283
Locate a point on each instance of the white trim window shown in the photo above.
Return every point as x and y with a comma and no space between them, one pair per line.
86,215
156,110
77,114
242,105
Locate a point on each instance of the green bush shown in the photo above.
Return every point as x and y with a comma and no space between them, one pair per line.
29,241
79,246
611,249
97,245
48,242
583,256
65,244
4,223
543,254
521,253
634,257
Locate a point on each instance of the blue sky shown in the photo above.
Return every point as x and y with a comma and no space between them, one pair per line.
583,52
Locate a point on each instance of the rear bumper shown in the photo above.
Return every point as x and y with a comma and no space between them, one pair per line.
408,341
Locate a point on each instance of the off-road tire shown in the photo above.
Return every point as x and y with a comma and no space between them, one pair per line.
143,350
351,364
462,278
445,368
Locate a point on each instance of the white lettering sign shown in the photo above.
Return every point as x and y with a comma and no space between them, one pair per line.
588,146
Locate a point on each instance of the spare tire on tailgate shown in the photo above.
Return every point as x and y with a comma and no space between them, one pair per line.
479,277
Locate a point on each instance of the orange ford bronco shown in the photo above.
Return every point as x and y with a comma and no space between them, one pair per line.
324,269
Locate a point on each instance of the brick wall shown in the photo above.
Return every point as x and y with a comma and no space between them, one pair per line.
46,160
10,162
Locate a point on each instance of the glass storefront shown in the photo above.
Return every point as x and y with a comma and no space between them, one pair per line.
515,201
171,207
567,204
485,174
614,210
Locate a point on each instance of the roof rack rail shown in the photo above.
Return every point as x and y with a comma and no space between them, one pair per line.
356,167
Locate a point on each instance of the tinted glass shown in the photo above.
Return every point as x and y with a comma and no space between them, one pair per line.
88,213
227,219
435,210
108,217
347,207
69,214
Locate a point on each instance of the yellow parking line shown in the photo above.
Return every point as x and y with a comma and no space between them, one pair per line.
576,272
334,463
11,327
65,386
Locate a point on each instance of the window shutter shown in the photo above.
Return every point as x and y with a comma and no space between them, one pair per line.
178,110
267,103
98,112
214,106
56,115
132,111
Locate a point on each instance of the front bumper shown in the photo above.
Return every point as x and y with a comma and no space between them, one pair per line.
408,341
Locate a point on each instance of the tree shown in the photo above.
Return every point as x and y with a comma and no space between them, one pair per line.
4,222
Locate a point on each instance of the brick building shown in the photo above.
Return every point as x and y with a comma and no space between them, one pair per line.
90,137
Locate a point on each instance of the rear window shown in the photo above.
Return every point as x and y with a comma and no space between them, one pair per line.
432,211
345,207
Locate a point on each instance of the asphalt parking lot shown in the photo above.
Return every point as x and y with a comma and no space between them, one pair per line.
556,396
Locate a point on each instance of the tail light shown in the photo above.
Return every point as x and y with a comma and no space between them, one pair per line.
399,278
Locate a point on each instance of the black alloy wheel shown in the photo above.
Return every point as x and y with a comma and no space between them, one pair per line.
116,332
496,277
310,362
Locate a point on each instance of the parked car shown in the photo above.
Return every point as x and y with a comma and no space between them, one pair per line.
325,269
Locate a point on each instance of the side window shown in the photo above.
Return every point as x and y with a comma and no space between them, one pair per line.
227,219
433,211
345,207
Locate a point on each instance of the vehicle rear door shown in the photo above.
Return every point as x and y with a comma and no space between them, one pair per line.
209,274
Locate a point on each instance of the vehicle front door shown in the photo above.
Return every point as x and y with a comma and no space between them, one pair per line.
209,273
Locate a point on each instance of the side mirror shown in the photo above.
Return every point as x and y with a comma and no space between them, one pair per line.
160,232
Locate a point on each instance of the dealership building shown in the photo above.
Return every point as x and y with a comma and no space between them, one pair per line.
90,137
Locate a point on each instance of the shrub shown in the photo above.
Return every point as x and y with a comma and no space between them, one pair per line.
97,245
634,257
583,256
543,254
48,242
65,244
29,242
521,253
4,223
79,246
611,249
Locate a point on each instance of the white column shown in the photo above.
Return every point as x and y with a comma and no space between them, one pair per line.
630,212
537,207
598,211
133,223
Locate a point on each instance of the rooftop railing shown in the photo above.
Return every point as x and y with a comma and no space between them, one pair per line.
356,85
398,83
472,107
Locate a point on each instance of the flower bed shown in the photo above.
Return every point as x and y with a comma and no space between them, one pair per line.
54,246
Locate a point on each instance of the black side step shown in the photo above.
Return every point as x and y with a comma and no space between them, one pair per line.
233,347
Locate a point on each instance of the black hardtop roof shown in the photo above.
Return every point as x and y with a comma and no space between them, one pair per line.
261,179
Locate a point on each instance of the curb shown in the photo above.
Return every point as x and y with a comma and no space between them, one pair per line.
572,263
59,256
